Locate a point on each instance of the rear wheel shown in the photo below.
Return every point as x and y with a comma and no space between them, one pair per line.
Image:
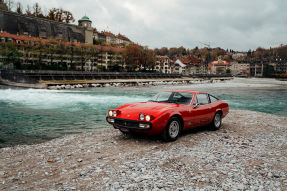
216,122
172,130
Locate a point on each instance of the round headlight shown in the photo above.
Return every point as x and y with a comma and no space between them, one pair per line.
141,116
110,113
147,118
114,113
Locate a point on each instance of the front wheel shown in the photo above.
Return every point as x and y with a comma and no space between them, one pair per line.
216,122
172,130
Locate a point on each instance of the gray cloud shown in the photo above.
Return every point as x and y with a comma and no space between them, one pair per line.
233,24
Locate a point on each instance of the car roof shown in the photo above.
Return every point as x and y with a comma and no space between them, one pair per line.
189,91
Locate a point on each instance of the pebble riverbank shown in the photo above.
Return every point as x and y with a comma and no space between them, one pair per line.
249,152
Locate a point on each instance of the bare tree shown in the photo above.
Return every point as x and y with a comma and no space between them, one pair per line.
28,10
9,4
37,11
19,8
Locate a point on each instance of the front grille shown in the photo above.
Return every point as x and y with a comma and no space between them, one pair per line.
125,123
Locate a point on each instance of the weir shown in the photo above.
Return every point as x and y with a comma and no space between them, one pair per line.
79,79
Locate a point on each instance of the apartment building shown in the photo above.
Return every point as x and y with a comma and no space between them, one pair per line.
70,55
163,64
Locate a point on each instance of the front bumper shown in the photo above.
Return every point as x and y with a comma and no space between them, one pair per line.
129,124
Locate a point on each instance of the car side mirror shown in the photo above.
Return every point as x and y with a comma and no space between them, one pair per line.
196,105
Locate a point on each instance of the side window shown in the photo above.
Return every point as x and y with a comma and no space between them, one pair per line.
213,99
202,99
195,101
176,96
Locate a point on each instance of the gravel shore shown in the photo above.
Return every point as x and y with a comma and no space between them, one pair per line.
249,152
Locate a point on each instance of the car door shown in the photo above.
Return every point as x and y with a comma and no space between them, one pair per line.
203,111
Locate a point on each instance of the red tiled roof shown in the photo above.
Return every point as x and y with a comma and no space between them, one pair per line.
109,48
34,39
120,36
17,37
189,60
219,63
31,39
108,34
162,58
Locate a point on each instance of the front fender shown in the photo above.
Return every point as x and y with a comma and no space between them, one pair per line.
159,123
174,113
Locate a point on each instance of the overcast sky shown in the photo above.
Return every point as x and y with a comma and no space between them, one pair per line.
234,24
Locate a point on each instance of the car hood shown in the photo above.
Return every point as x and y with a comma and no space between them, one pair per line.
132,111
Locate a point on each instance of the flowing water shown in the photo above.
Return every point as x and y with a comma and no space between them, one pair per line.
29,116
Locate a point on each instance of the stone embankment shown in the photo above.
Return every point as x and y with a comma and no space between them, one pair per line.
249,152
58,85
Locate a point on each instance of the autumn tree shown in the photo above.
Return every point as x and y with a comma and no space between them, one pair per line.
151,59
26,53
51,50
173,52
68,17
3,5
163,51
144,57
132,56
71,54
39,50
269,71
227,58
83,53
59,15
182,51
52,14
195,51
281,52
9,52
156,51
258,53
93,52
61,51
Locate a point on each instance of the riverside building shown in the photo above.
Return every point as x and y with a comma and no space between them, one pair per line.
78,51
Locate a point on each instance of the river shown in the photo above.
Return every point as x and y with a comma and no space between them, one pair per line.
29,116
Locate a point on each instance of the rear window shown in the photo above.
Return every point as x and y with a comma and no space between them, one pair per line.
202,99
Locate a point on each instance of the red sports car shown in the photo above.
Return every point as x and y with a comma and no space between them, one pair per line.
168,113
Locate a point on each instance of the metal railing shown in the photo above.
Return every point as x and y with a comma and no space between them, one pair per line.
89,75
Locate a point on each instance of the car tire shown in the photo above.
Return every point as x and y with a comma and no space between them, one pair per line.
216,122
172,130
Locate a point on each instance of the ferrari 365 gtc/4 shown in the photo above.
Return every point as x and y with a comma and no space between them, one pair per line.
169,113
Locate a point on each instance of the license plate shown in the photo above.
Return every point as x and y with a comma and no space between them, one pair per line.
125,130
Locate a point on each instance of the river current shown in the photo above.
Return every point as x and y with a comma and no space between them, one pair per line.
29,116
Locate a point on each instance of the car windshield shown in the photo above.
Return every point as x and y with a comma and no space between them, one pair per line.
182,98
